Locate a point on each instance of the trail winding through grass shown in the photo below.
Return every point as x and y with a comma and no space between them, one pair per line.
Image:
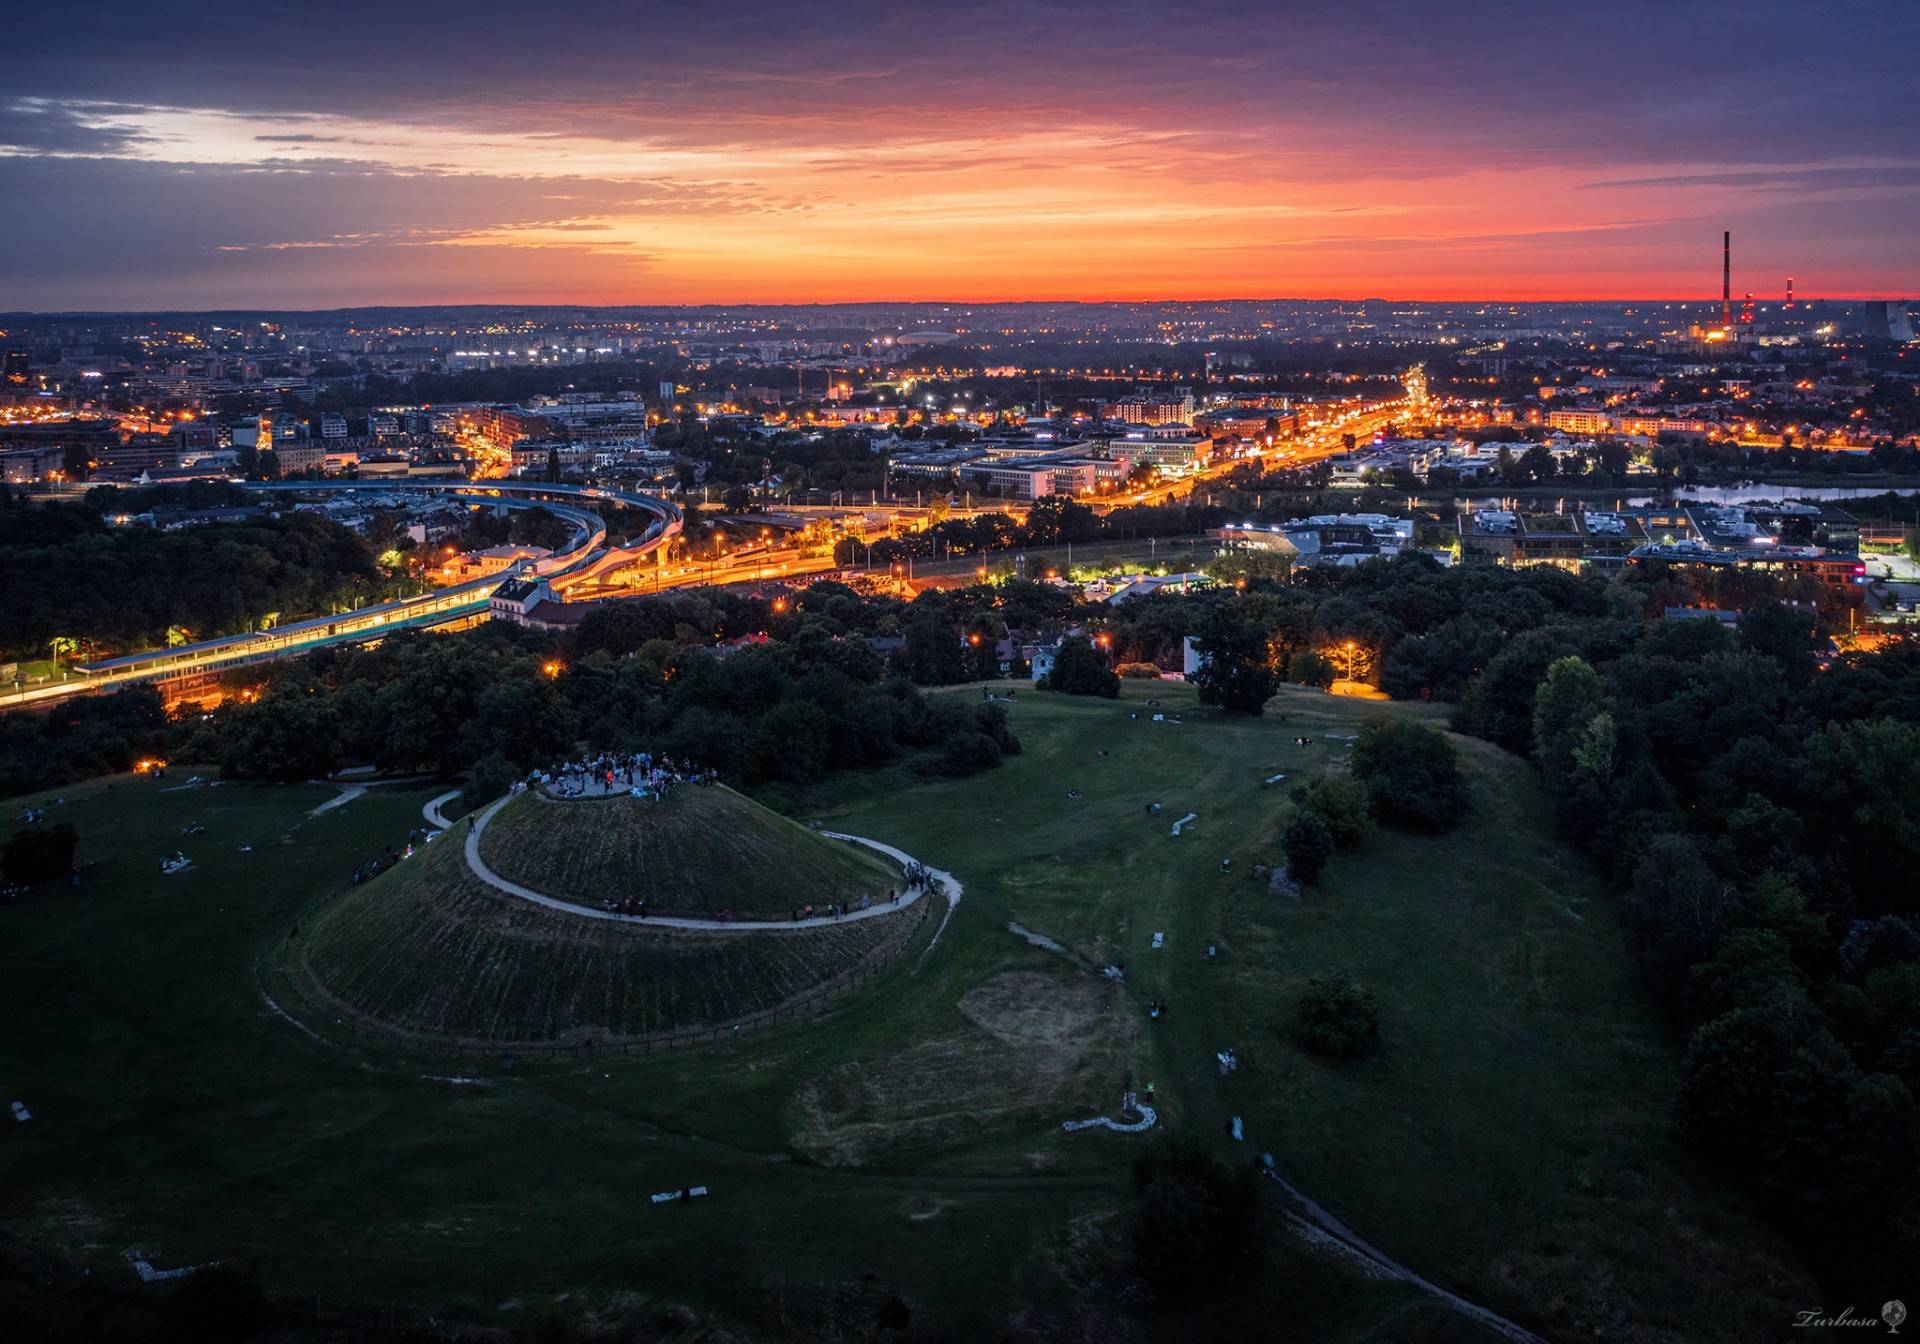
940,880
432,810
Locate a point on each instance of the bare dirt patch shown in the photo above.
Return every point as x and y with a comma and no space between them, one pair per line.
1037,1008
1036,1045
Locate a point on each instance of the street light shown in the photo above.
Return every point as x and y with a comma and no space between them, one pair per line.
1350,652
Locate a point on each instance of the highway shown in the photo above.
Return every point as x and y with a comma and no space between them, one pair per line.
586,555
1313,444
588,569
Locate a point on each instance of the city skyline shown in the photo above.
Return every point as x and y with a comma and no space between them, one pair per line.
257,157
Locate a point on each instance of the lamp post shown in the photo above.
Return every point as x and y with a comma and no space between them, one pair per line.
1350,652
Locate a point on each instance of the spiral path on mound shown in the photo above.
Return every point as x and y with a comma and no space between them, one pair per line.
945,880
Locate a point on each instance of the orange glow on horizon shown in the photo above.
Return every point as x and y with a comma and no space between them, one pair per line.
929,208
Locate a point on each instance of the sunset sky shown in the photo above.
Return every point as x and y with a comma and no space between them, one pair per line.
204,155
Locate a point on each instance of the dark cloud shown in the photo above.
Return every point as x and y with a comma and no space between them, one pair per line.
1208,99
1901,177
1640,80
33,126
1633,232
214,234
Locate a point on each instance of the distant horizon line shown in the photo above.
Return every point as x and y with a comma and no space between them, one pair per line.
1800,301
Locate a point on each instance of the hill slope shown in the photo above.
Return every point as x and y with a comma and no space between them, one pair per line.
1510,1139
701,851
428,949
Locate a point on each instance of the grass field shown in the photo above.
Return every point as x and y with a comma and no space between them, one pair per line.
701,851
1511,1137
429,949
1509,1140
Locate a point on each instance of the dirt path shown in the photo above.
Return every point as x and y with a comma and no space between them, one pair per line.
1325,1222
944,881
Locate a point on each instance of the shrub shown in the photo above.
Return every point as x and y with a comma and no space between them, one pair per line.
491,776
1310,667
1337,1016
1342,802
1193,1218
793,740
1309,844
39,855
1139,671
1412,774
964,753
1080,669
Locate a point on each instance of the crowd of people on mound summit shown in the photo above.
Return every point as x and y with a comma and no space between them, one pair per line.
642,775
639,773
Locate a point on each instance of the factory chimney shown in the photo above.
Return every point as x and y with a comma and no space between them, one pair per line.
1726,279
1789,293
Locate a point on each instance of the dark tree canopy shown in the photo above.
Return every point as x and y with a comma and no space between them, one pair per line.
39,854
1336,1015
1193,1219
1309,843
498,702
71,575
1411,773
1081,669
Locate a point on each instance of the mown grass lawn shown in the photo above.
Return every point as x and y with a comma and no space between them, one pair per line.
176,1114
1509,1140
429,949
698,852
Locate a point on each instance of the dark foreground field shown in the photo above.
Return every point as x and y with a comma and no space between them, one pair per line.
1509,1140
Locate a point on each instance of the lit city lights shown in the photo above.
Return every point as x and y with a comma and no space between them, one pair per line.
960,672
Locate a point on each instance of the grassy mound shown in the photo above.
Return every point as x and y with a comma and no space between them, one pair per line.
1511,1137
701,851
429,950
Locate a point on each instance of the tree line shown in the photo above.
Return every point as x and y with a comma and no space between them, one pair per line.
71,576
1758,813
713,680
1753,794
1055,520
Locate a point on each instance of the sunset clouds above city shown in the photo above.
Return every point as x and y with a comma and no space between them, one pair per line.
319,156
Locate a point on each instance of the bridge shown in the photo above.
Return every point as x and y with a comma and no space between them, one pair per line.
586,557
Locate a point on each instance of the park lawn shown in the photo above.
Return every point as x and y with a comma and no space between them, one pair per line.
1513,1126
177,1114
1511,1139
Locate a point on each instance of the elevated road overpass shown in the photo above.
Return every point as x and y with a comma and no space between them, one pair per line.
584,556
